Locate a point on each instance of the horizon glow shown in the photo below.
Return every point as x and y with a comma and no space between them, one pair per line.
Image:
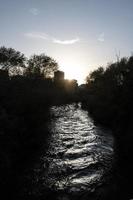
80,35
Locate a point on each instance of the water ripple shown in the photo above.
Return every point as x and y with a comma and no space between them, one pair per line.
79,153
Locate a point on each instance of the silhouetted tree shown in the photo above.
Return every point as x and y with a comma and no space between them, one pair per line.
95,75
11,60
109,92
41,65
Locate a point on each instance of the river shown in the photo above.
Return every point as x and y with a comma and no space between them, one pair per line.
79,155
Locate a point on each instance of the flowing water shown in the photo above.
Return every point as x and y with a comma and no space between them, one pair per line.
79,155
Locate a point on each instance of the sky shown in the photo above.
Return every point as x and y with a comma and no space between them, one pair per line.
80,35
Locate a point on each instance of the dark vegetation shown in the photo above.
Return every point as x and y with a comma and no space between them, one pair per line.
108,96
27,91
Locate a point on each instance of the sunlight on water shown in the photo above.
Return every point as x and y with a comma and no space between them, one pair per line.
79,154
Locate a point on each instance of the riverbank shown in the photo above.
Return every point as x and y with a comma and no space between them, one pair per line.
108,98
24,113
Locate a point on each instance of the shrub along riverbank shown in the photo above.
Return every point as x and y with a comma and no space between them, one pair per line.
108,96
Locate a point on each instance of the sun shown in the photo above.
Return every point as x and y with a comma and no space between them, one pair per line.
73,73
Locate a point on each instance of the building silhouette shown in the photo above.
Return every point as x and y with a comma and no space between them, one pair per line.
59,77
4,75
69,86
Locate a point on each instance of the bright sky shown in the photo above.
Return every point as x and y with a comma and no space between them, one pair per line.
80,34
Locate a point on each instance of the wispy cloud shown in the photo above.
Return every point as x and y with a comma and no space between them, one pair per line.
34,11
66,42
44,36
37,35
101,37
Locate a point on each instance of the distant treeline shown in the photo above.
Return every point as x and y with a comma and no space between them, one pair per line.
108,96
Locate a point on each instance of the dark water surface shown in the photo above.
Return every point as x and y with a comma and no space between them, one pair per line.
79,155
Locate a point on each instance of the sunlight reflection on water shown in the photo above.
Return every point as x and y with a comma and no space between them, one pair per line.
79,153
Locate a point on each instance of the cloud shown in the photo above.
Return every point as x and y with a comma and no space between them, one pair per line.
34,11
66,42
37,35
101,37
44,36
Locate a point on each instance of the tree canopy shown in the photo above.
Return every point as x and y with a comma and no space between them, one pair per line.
11,60
41,65
109,91
37,65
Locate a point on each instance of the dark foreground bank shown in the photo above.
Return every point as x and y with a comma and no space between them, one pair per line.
24,112
108,97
